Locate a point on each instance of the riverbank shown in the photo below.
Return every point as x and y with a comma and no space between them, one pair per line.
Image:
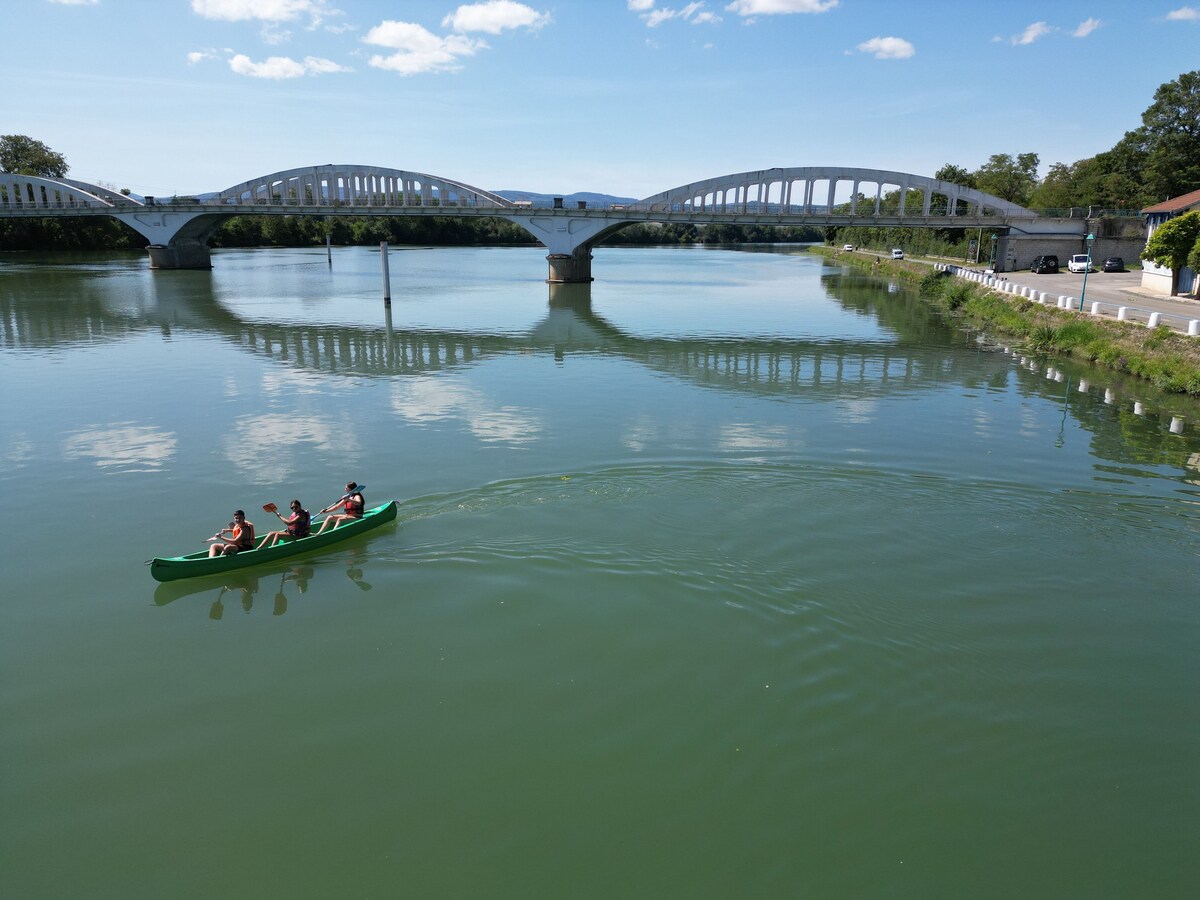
1168,360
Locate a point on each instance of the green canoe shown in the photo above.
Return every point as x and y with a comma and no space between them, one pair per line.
172,568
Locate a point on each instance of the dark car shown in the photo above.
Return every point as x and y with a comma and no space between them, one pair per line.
1113,264
1045,265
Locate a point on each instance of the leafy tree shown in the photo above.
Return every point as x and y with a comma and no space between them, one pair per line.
1058,190
955,175
1171,136
1172,244
1007,178
22,155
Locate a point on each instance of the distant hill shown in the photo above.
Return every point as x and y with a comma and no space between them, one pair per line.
569,200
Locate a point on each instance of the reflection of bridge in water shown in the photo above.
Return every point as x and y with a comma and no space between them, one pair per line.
839,368
88,311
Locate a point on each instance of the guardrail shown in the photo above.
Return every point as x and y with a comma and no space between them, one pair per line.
1121,312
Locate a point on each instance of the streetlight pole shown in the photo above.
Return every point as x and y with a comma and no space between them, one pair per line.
1088,268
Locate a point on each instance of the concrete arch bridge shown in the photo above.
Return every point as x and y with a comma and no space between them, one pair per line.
178,228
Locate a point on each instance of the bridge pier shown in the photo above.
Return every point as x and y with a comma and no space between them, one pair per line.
180,254
571,268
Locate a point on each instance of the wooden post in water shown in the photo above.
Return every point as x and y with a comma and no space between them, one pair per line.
387,278
329,247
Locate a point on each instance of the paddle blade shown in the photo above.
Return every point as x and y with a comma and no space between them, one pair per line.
269,507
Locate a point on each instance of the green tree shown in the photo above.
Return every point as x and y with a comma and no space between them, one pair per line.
1007,178
1057,190
22,155
1172,244
1170,133
955,175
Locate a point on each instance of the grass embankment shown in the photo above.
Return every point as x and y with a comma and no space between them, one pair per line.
1168,360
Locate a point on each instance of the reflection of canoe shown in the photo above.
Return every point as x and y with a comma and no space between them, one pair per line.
196,564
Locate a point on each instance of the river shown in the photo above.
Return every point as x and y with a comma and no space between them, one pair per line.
735,574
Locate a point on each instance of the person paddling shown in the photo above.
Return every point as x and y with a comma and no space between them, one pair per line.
241,537
298,525
352,504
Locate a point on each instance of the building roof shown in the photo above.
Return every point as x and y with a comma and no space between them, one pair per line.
1175,204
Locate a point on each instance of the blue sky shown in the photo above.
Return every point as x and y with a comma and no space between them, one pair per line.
624,97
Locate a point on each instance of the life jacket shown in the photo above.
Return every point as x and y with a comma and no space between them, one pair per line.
243,536
301,526
352,508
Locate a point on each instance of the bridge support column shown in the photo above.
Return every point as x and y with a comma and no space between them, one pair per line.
570,268
184,254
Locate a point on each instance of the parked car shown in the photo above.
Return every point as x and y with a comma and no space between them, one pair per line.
897,253
1045,265
848,247
1080,262
1113,264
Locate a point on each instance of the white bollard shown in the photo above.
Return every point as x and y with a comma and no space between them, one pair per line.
1083,386
1176,425
1123,314
1096,308
1155,318
1138,409
1194,327
1108,396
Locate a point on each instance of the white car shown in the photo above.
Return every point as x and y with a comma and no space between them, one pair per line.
849,248
897,253
1080,262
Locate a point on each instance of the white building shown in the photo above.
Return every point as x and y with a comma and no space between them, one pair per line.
1155,277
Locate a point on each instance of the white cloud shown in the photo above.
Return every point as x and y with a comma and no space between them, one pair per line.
494,17
743,438
779,7
316,65
422,402
267,447
263,10
1086,27
640,5
693,13
280,67
419,50
1184,14
888,48
133,448
1031,34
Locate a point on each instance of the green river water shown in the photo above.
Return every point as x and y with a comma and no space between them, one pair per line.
734,574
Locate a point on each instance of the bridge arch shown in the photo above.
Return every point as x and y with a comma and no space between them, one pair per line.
32,192
814,189
354,185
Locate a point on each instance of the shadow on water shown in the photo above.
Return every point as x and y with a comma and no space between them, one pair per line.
245,585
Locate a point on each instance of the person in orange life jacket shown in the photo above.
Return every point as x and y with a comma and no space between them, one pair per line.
298,525
352,504
241,537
